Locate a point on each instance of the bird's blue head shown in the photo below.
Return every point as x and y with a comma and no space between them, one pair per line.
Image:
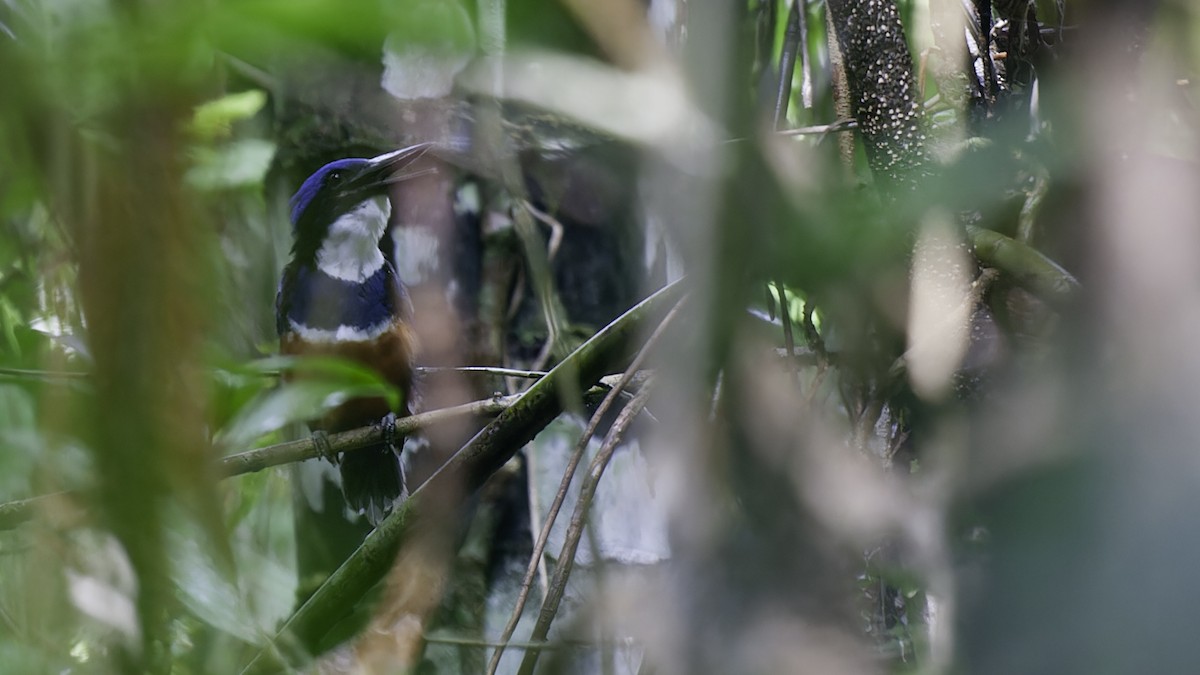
323,181
340,186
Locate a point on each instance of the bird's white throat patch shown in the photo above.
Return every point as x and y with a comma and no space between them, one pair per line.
351,247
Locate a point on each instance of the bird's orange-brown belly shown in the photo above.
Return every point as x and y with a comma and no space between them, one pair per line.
390,354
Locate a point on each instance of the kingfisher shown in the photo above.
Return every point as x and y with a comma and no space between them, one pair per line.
340,296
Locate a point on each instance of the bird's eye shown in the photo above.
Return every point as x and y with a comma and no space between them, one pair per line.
334,176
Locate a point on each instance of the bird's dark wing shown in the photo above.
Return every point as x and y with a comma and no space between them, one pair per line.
283,299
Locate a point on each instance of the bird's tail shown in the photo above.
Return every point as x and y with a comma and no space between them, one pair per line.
372,481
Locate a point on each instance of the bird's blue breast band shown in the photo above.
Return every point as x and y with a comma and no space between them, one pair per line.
320,301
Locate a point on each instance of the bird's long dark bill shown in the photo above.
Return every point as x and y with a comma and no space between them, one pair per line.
390,167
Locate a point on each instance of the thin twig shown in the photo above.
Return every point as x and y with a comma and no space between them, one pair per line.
806,85
787,63
538,261
19,511
566,559
539,547
556,228
543,645
789,340
486,370
817,130
47,375
552,246
295,451
253,73
39,374
832,127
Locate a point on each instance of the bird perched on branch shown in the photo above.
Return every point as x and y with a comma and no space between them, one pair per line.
340,296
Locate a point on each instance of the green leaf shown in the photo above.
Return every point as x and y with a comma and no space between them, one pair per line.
239,164
290,403
212,120
324,367
320,385
232,391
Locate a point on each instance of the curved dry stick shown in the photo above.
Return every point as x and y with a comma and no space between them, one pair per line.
566,559
539,547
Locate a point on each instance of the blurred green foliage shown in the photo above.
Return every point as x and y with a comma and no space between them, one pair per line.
148,149
87,73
